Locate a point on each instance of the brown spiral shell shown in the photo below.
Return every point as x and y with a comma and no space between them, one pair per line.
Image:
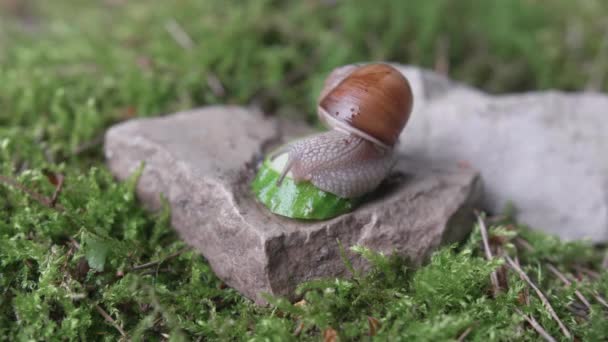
373,101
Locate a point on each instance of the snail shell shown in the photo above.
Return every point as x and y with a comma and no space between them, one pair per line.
373,101
366,107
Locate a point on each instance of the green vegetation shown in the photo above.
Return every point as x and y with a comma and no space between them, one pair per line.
69,69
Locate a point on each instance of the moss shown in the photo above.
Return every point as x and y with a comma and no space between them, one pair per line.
65,78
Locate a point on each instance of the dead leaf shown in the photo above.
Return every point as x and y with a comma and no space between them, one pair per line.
330,335
52,177
521,298
301,303
374,325
497,240
128,112
299,328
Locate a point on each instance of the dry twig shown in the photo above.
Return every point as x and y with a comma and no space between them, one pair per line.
179,35
525,294
523,243
442,60
58,188
567,282
464,334
157,262
88,145
299,328
496,218
47,202
217,88
600,299
539,329
590,273
110,320
542,297
596,295
486,247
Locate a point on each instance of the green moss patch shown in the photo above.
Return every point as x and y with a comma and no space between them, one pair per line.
93,253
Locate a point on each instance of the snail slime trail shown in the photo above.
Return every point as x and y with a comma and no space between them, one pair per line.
324,175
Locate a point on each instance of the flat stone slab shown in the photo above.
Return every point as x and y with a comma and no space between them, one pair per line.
544,152
203,160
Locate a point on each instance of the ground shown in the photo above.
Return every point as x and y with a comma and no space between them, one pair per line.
87,262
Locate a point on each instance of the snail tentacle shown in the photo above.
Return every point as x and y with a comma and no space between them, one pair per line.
286,169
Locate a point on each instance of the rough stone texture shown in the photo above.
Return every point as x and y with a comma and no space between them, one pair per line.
203,161
545,152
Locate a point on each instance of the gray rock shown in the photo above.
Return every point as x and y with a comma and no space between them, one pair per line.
203,160
544,152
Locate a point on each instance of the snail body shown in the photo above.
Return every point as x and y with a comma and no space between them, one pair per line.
366,108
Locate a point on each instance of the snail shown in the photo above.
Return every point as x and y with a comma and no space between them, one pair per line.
366,107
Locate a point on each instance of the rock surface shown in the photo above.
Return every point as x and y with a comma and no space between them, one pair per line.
544,152
202,161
